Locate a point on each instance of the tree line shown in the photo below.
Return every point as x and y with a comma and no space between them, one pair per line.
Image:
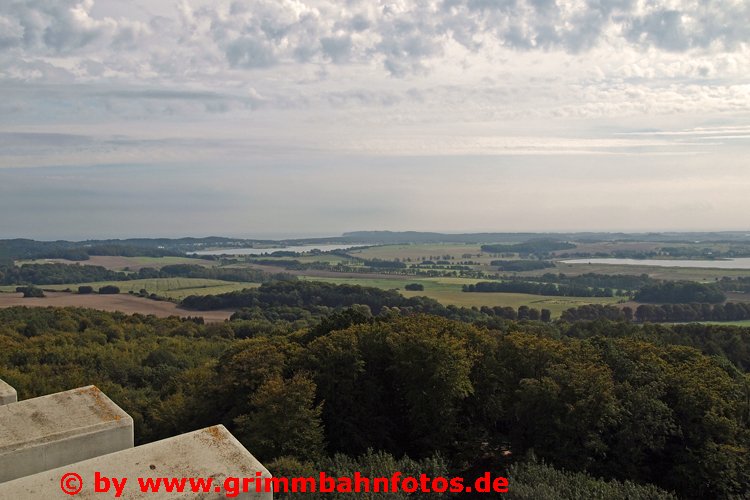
622,282
305,294
22,249
660,313
521,265
534,288
57,274
680,292
538,247
738,284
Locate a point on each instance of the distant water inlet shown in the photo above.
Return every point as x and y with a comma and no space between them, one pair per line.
261,251
740,263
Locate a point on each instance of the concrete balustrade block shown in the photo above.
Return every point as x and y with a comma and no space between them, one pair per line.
7,394
43,433
208,453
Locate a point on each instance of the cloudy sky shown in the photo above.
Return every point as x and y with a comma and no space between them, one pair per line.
300,117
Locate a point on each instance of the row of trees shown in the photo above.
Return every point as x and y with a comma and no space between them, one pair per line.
591,312
384,264
29,249
537,247
521,265
535,288
53,274
738,284
680,292
644,288
622,282
23,249
309,294
663,313
30,291
731,311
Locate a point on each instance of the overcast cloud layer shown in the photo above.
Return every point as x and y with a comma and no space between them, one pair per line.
279,117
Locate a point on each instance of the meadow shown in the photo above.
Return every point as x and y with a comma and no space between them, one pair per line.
704,275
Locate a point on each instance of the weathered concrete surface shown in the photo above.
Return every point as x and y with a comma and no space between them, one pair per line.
7,394
51,431
208,453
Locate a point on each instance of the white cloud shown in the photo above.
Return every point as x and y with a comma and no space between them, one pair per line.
269,84
400,38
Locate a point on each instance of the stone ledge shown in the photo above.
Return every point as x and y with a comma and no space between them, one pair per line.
7,394
51,431
211,452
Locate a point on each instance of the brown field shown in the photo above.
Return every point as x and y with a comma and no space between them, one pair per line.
124,303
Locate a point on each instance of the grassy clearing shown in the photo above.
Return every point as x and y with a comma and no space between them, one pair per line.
745,323
175,288
447,291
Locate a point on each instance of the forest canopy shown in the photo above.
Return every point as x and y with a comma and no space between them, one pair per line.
599,399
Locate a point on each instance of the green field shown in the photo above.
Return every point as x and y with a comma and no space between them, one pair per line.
448,291
745,323
174,288
664,273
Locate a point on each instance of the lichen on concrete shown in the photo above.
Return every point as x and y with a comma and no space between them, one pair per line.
50,431
208,453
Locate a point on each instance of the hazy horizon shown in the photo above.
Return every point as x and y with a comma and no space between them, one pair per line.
322,235
298,117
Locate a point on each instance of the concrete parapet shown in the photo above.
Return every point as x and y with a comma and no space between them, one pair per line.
51,431
208,453
7,394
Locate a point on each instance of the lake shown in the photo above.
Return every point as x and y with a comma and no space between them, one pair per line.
740,263
261,251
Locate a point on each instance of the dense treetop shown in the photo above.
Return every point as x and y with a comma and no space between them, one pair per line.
680,292
606,399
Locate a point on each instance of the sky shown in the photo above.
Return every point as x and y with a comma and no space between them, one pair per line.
280,118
